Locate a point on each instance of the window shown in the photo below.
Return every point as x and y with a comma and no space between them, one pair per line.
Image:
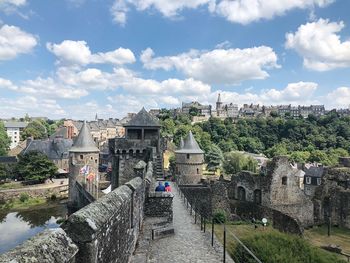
81,157
95,160
318,181
307,190
188,156
308,180
197,171
91,158
284,180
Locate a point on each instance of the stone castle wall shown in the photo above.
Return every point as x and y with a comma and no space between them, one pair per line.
103,231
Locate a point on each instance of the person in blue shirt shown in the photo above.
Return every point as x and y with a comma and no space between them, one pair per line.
160,187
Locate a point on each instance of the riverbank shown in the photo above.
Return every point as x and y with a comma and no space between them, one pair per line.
58,188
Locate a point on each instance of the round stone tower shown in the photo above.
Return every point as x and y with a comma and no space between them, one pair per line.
83,154
189,161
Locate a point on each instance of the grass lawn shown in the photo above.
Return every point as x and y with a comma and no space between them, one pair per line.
316,237
17,204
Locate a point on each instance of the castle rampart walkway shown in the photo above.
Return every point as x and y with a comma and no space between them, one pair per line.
188,244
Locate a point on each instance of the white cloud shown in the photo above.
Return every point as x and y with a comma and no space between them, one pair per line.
219,66
71,52
247,11
14,41
11,5
19,106
320,45
339,98
236,11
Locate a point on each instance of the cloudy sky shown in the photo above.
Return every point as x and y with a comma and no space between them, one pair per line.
76,58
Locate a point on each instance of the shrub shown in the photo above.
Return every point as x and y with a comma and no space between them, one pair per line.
279,247
24,197
219,217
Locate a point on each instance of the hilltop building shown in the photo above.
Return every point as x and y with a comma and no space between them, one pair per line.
203,110
189,161
225,110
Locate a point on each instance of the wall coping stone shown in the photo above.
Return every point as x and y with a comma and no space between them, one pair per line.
160,195
85,224
135,183
49,246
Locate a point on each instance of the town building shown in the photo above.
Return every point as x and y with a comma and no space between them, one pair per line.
189,159
250,110
13,130
203,110
312,179
225,110
55,148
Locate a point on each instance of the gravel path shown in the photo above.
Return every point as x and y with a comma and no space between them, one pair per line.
188,244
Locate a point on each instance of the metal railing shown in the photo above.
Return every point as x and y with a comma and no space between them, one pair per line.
204,220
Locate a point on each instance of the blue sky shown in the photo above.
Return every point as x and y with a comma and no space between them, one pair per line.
76,58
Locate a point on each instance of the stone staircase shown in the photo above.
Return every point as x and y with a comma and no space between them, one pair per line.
158,167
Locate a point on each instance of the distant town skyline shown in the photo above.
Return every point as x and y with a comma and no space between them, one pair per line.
76,58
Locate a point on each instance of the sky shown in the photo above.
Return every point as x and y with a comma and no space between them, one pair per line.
76,58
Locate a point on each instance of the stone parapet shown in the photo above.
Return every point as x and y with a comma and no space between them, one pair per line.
160,204
50,246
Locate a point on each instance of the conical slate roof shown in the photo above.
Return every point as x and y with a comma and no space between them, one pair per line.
84,141
143,119
190,145
182,143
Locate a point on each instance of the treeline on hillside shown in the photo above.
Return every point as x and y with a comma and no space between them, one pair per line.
314,139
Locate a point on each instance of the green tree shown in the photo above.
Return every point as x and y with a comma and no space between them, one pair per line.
193,111
214,158
300,156
235,162
4,140
277,149
35,166
35,129
319,157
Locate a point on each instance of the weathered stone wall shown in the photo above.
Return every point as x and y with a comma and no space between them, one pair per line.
126,167
32,192
279,220
278,189
189,170
160,204
332,198
107,229
50,246
76,162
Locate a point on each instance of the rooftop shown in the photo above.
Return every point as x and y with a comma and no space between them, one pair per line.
15,124
143,119
190,145
84,141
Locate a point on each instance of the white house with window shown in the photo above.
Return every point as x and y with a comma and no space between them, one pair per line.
14,130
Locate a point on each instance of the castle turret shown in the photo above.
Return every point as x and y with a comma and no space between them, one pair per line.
189,161
83,160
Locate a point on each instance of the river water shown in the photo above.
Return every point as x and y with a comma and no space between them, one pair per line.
16,227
